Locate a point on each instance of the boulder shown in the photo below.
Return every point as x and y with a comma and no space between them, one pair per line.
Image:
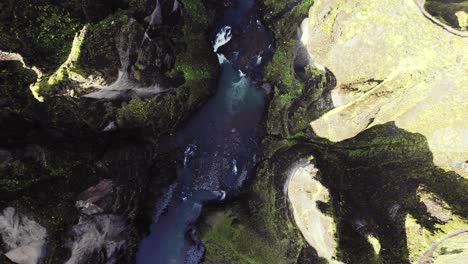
385,71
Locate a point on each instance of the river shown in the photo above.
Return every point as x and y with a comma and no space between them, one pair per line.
220,142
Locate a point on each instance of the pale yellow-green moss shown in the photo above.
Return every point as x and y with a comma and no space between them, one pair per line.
375,243
419,239
392,63
453,250
67,72
462,17
66,69
34,88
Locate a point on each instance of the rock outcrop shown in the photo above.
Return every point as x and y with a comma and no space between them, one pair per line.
23,238
84,168
304,190
392,63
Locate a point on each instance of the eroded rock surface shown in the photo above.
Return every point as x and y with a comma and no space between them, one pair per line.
23,238
392,64
304,190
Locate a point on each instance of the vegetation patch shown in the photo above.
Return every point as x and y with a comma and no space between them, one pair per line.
284,26
44,30
228,237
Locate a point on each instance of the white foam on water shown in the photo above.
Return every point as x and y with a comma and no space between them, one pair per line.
222,37
221,58
189,151
164,201
234,167
223,195
259,60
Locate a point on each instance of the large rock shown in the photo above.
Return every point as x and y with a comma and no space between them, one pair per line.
305,192
392,63
23,238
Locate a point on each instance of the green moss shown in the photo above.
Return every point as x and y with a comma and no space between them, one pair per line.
136,113
198,14
231,239
291,110
196,62
99,55
279,71
45,31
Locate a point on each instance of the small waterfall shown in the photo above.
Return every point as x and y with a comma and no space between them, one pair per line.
222,59
176,6
259,60
234,167
189,152
123,83
222,37
156,17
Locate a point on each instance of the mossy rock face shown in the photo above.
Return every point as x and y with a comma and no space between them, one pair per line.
42,32
258,228
283,18
301,92
15,79
99,54
291,109
16,100
53,151
373,181
179,56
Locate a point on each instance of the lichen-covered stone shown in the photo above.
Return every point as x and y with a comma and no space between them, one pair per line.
385,72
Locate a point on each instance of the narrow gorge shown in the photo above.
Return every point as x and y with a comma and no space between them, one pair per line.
233,131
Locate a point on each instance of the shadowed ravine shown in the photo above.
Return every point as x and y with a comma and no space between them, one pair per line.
220,144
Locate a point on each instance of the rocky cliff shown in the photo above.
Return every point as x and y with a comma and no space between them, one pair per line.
82,169
364,157
387,72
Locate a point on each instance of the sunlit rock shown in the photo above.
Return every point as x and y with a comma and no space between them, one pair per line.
304,191
88,201
435,206
375,243
392,62
447,244
462,17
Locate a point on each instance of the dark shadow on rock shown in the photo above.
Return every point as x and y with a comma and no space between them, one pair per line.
309,255
373,180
